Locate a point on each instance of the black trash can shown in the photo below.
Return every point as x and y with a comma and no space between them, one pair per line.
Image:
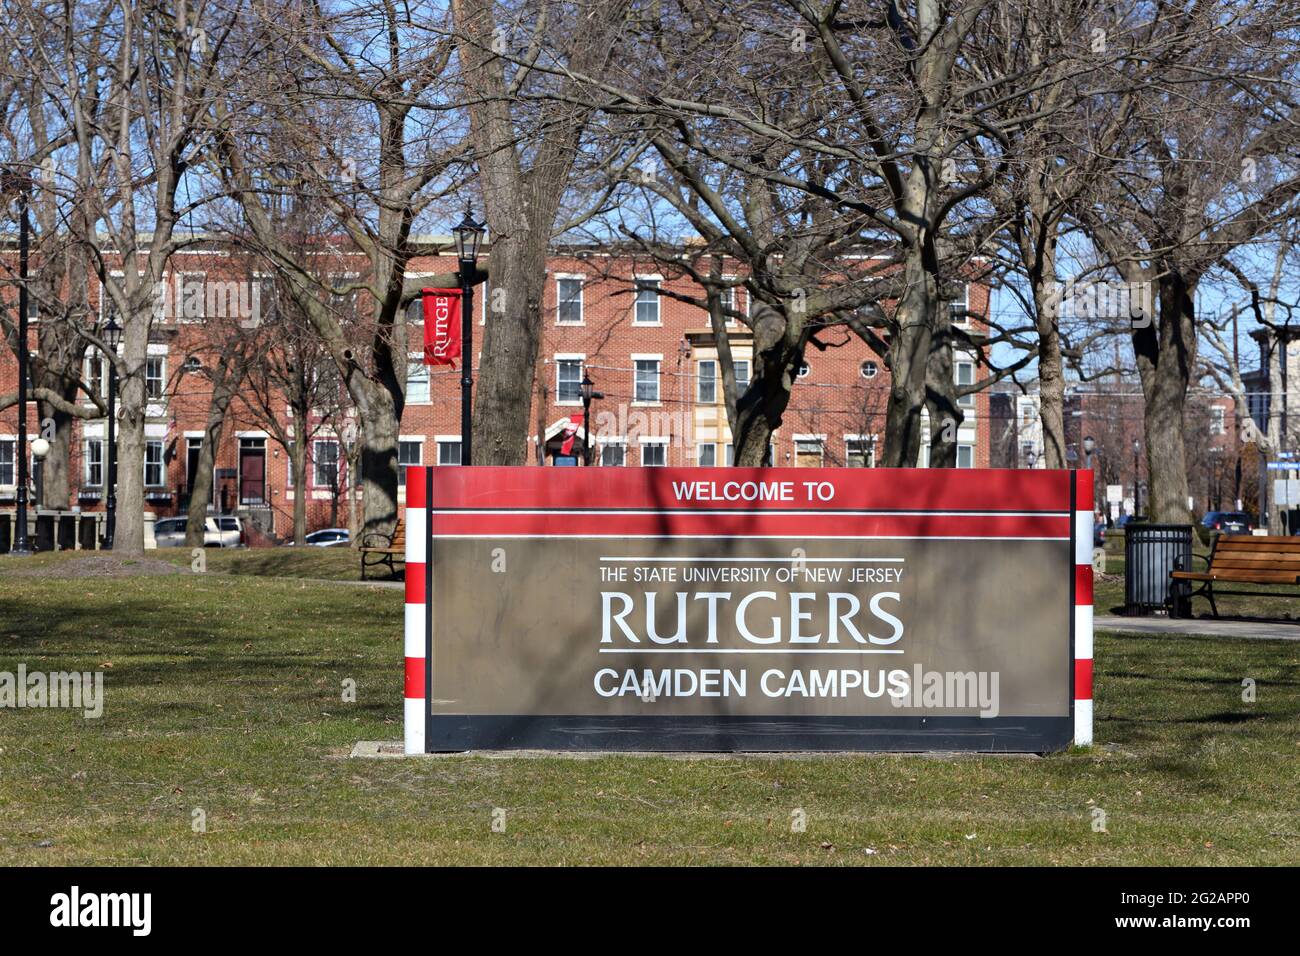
1151,551
6,533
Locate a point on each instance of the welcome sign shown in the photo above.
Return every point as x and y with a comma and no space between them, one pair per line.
738,609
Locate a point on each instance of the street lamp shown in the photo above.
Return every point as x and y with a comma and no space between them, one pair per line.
20,183
469,236
588,389
1137,487
1030,458
112,337
1089,446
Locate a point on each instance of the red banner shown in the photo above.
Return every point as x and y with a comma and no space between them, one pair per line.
441,326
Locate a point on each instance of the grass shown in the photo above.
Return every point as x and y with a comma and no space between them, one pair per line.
224,696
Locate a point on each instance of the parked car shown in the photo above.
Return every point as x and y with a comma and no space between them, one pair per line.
1229,522
220,531
328,538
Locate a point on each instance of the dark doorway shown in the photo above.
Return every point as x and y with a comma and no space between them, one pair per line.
252,471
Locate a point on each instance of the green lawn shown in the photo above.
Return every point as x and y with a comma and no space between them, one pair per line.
224,695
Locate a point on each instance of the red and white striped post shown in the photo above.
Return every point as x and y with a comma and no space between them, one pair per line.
1083,503
417,537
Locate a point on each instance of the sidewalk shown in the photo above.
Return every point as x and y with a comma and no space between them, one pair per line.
1262,630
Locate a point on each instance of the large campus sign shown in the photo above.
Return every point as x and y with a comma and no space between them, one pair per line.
739,609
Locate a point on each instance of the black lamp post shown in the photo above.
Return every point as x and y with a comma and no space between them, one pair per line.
112,336
469,235
589,392
21,184
1137,484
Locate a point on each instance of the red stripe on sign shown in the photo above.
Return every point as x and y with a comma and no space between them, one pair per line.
750,489
1082,584
414,677
1082,679
1083,490
414,583
415,497
687,524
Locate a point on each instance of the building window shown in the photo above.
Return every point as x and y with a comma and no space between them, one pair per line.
96,374
965,375
408,453
859,453
568,381
647,302
325,463
730,457
868,369
965,456
1218,424
707,383
742,375
8,464
957,308
449,452
654,454
154,473
568,295
613,453
647,380
155,378
94,470
706,455
808,453
417,381
1027,415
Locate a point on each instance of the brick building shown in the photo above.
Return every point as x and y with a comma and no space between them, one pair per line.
651,355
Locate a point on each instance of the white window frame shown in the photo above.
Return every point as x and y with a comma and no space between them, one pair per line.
160,464
968,446
568,357
7,439
699,447
161,359
869,441
620,442
659,304
416,360
86,462
965,401
316,443
418,442
699,382
561,277
654,441
749,374
659,378
439,441
818,440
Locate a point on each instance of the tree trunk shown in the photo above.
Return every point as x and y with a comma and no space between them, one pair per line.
128,534
909,354
1166,353
379,431
945,414
56,477
511,338
1051,374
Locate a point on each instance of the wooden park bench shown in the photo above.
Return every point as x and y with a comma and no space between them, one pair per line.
1237,559
378,548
